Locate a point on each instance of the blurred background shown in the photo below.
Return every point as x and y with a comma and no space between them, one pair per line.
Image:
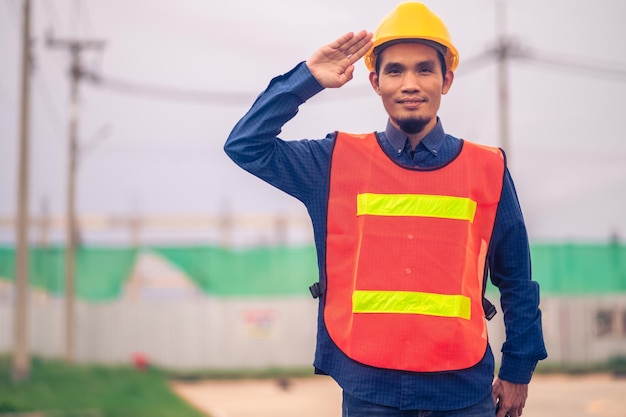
148,245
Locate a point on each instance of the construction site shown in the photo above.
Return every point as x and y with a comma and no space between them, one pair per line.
129,239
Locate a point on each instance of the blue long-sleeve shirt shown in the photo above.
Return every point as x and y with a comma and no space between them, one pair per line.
301,168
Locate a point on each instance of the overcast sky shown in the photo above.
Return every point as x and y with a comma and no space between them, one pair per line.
164,155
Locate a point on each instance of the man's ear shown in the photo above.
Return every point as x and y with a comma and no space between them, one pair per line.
447,82
374,82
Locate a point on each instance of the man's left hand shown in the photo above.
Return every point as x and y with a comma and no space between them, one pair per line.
510,398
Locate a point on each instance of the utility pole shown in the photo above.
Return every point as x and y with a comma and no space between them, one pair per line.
21,359
76,48
503,51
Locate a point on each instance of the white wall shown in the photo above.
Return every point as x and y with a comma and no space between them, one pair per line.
202,332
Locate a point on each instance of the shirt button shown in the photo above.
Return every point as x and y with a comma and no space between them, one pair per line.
435,151
408,270
410,236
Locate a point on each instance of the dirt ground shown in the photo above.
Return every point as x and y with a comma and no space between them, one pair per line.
549,396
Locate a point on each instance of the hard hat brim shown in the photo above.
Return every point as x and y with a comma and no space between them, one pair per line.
446,49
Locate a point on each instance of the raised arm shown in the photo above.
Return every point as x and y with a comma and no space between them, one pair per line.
293,166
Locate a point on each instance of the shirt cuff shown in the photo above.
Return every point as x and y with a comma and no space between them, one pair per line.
516,370
303,83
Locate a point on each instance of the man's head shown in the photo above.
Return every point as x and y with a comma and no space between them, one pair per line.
413,22
410,83
412,61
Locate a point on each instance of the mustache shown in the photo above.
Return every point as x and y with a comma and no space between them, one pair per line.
411,99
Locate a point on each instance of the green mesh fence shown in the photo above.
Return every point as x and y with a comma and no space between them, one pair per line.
262,271
567,269
100,272
580,268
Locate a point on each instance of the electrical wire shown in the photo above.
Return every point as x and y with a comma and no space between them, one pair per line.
46,98
475,63
222,98
87,25
514,53
169,93
504,49
578,65
233,98
41,89
53,23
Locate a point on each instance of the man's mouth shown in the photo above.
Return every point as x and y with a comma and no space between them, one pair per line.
411,102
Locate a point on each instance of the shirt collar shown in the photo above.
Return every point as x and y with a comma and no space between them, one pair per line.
432,141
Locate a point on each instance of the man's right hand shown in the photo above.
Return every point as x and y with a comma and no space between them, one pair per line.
333,65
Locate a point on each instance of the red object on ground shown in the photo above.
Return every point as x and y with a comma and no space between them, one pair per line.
140,361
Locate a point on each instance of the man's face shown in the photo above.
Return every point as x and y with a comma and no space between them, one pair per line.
410,83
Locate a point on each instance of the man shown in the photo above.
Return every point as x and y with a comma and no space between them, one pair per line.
407,222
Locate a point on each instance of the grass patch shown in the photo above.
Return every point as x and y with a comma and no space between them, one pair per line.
234,374
64,390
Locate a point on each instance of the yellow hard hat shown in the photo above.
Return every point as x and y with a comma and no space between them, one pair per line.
413,20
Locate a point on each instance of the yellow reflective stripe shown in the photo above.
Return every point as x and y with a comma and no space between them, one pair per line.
405,302
420,205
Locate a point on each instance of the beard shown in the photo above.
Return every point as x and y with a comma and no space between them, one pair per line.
412,125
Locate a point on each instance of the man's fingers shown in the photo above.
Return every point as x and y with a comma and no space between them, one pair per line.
348,39
342,40
359,53
357,42
353,44
495,394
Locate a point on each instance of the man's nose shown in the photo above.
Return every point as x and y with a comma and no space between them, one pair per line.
411,82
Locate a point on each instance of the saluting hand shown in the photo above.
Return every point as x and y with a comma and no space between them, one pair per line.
333,65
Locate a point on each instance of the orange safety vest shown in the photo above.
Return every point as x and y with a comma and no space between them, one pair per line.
405,255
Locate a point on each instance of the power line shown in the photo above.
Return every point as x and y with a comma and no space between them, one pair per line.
53,23
210,97
512,49
86,23
169,93
42,89
46,98
508,49
578,65
475,63
236,98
